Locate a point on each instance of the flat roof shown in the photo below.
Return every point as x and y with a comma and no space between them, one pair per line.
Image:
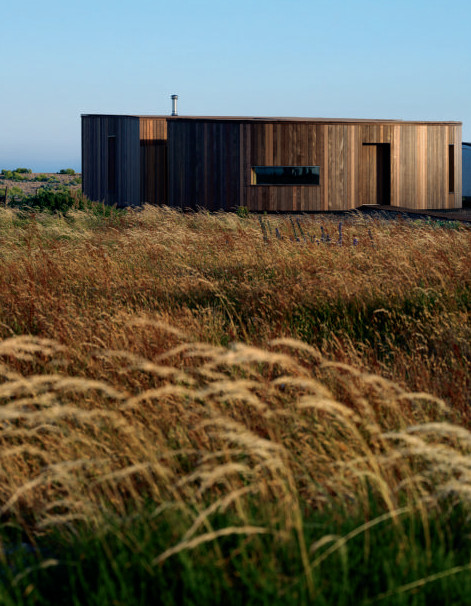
269,119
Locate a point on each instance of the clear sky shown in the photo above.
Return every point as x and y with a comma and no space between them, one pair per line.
406,59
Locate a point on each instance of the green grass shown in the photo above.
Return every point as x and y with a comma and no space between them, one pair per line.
58,201
394,562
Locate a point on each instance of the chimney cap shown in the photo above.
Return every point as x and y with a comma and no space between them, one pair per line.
174,105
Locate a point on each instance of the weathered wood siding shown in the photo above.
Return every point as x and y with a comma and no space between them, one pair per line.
400,163
282,144
96,131
419,165
348,156
154,167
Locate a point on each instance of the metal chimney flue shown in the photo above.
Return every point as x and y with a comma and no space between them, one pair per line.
174,105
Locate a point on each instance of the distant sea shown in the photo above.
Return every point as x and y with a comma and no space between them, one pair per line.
41,166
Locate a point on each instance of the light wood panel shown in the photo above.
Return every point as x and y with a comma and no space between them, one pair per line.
351,159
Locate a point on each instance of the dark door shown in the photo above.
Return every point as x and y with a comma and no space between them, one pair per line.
377,172
383,173
154,171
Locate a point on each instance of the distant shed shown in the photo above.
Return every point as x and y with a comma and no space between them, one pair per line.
467,174
271,164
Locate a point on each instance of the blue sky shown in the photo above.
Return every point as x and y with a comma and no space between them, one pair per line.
343,59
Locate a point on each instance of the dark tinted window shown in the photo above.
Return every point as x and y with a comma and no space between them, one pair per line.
451,168
285,175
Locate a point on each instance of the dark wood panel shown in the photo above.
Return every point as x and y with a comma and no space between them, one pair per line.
122,166
153,160
204,164
154,171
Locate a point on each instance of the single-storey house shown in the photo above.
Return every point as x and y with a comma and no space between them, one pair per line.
271,164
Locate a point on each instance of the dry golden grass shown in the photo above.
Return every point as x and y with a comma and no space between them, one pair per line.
159,358
397,303
219,425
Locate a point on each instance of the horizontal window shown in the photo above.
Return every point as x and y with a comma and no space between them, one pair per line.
285,175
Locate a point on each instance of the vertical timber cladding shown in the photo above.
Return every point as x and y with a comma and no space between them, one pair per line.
361,162
118,135
208,162
281,143
204,163
424,166
153,159
376,159
419,164
405,164
92,158
455,198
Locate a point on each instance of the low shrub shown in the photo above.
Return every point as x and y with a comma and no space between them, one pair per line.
75,181
23,171
20,174
242,212
15,194
60,200
67,171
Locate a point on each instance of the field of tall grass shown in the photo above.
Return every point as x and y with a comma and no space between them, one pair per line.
202,408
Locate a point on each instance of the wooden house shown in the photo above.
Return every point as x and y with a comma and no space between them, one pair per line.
271,164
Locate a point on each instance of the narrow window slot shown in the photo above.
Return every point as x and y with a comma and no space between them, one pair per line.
451,169
285,175
112,165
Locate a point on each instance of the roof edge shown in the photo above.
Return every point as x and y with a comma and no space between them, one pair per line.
268,119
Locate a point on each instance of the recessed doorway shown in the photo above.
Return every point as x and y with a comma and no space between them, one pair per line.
380,172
